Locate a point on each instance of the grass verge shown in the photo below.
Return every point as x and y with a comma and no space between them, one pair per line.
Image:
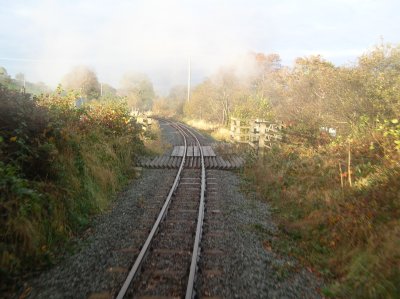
339,218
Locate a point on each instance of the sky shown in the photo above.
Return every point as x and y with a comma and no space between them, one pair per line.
45,39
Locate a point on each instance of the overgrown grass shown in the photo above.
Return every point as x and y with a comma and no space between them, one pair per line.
346,228
221,134
216,131
59,166
202,125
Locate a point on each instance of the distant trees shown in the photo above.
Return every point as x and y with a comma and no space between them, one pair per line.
20,77
138,90
84,80
230,93
5,79
171,105
318,94
107,91
202,104
19,81
3,72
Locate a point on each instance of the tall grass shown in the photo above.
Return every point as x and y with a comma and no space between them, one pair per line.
154,141
59,166
347,229
216,131
202,125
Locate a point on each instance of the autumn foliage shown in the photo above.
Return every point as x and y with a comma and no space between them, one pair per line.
337,198
60,165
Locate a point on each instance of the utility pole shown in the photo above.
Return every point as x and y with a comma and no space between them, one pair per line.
188,84
23,84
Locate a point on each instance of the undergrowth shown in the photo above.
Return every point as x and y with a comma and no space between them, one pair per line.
154,142
341,219
59,165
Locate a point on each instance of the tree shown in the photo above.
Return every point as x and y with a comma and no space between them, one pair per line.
84,80
172,105
4,77
178,93
270,80
252,107
379,72
108,92
202,104
3,72
20,77
138,90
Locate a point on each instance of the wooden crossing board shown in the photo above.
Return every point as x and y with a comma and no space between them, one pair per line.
192,151
178,151
196,151
208,151
189,152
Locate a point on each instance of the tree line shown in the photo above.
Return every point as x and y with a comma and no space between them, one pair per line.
136,88
311,94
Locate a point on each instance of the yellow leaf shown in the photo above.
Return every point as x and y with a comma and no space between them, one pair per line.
13,139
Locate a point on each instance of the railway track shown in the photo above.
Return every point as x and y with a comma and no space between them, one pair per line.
167,263
193,159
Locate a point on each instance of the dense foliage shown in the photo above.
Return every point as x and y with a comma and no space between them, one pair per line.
84,80
337,199
59,165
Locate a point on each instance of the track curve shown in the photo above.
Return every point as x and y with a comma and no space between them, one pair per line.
158,255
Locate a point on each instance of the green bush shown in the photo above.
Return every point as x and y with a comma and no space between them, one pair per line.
59,166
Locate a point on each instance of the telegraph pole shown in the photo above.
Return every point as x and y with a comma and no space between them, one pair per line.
188,83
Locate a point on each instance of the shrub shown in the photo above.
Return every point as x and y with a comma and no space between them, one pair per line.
59,166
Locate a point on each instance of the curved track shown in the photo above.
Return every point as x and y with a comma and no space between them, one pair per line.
168,260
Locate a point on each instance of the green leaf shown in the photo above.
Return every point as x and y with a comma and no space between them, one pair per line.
395,121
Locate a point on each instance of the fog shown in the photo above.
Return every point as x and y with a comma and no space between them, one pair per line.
45,39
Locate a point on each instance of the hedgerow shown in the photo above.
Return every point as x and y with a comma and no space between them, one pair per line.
59,165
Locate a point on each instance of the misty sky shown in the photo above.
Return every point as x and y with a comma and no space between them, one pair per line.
44,39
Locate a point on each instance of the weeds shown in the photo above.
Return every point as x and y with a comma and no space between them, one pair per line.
154,142
348,229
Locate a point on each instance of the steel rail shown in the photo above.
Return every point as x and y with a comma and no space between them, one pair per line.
139,260
190,292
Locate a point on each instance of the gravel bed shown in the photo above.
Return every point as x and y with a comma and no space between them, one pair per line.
170,135
248,269
100,264
235,225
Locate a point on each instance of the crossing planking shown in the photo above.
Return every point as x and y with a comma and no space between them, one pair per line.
178,151
208,151
211,162
189,152
196,151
